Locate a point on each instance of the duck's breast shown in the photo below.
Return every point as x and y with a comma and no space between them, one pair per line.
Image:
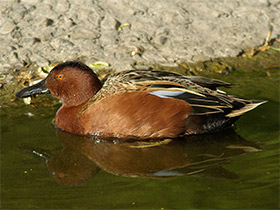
136,114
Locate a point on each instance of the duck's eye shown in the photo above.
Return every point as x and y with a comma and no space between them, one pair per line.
60,76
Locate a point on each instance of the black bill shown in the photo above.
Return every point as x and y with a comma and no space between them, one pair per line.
39,88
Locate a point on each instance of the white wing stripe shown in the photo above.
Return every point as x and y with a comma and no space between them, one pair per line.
166,93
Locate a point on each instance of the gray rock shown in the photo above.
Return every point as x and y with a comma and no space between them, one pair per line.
168,31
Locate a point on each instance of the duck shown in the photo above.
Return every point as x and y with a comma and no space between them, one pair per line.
138,104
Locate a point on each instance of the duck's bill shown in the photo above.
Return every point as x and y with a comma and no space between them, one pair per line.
39,88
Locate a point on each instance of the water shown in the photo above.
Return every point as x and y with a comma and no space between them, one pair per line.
42,168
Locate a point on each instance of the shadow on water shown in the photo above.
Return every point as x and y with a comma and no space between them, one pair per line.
81,158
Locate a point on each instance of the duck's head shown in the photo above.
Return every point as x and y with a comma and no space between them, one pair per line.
72,82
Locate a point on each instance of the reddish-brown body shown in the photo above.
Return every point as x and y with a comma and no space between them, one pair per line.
127,115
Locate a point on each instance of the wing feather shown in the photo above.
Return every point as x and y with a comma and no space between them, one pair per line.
201,93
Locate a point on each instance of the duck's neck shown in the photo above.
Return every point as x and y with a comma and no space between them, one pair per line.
67,117
81,97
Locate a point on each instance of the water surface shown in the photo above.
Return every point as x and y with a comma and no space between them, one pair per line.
42,168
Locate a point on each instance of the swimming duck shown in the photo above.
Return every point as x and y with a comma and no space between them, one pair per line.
138,103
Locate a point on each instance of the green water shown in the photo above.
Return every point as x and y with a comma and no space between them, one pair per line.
45,169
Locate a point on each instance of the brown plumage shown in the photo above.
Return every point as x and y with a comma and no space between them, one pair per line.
141,104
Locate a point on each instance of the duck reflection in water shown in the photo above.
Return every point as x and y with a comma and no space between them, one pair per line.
81,158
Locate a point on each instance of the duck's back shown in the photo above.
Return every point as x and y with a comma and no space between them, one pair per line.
159,104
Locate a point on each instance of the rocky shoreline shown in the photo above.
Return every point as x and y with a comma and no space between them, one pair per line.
125,33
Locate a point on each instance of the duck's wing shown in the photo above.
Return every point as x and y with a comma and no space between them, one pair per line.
199,92
209,83
135,80
144,75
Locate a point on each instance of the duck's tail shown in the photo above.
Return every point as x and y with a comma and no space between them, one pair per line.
208,122
249,105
